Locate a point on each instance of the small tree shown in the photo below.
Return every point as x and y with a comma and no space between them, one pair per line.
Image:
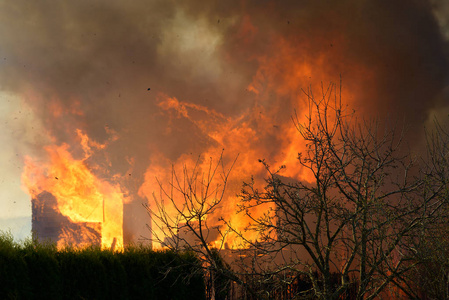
359,214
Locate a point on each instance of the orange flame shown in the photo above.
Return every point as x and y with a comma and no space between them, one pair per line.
81,196
285,68
282,77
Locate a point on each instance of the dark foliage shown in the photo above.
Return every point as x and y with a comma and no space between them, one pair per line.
34,271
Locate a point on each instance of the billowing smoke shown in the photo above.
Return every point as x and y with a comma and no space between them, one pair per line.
158,81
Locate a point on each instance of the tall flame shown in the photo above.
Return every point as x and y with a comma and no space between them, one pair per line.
81,196
190,79
280,76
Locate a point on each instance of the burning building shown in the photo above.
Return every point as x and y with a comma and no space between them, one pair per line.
70,205
49,225
112,94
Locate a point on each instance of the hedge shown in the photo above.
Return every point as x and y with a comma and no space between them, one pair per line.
35,271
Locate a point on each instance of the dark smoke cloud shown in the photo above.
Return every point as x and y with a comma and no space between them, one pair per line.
100,58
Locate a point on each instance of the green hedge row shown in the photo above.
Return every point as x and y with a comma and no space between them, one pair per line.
34,271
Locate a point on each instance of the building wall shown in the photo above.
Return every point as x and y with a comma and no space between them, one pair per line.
49,225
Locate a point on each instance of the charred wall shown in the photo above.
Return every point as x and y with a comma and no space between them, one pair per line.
49,225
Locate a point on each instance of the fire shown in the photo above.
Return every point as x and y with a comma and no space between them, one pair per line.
81,196
282,79
167,87
272,64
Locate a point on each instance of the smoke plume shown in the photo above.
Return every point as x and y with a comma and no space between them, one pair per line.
161,82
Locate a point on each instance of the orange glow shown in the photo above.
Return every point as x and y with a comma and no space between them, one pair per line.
281,80
160,171
81,196
262,130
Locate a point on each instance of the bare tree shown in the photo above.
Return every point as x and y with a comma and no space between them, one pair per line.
431,275
359,213
351,229
194,197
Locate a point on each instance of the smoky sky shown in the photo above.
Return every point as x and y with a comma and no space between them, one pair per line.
106,65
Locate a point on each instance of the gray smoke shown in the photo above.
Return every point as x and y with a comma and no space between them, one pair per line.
112,61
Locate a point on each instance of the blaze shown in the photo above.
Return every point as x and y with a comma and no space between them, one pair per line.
265,131
81,196
289,62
